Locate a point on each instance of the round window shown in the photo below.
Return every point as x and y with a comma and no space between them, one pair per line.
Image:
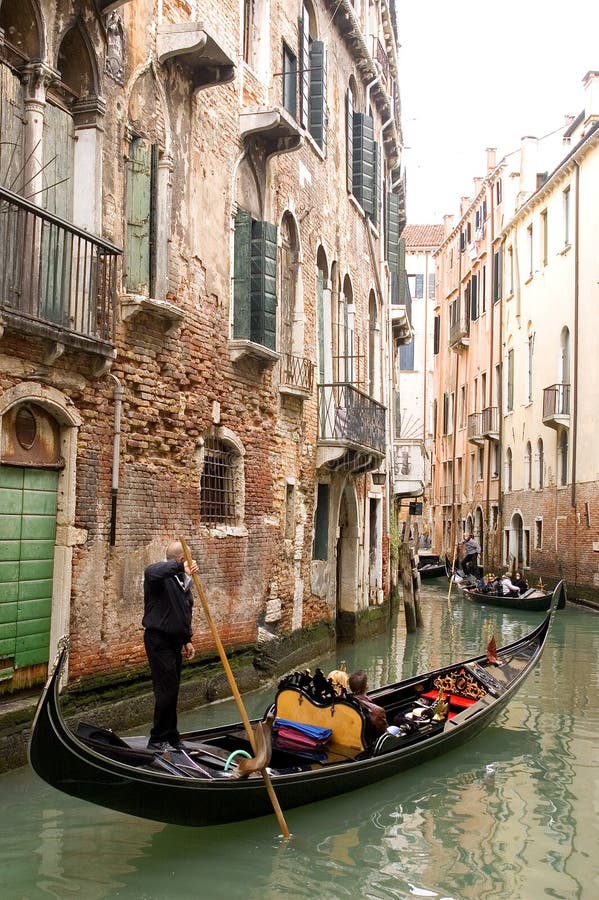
25,428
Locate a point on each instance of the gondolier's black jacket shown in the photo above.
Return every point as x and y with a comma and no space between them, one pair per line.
167,599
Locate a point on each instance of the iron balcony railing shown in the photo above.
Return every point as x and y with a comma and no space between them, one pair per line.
53,272
349,416
556,401
490,421
297,372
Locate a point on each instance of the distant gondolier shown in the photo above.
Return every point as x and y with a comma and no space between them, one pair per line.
471,551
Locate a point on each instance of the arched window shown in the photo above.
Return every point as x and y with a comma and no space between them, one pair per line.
565,355
374,336
528,467
508,469
323,299
288,289
540,479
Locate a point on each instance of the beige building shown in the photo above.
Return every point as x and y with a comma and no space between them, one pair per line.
202,205
551,290
515,387
413,439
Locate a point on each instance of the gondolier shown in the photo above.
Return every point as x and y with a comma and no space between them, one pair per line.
168,604
471,551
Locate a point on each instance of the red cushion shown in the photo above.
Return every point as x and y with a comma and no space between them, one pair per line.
454,700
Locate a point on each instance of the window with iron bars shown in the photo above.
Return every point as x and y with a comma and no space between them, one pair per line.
218,500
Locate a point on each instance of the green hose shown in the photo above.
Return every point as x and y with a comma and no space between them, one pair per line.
235,753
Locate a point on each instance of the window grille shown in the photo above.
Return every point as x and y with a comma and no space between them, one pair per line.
217,497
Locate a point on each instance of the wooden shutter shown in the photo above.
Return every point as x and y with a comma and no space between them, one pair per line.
28,499
349,139
392,232
139,214
419,287
263,286
474,297
12,117
363,161
431,285
58,153
318,93
241,275
320,549
510,380
304,67
436,334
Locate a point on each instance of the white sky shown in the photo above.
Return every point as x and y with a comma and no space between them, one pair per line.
478,74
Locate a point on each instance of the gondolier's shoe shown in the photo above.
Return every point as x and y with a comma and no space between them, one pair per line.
161,746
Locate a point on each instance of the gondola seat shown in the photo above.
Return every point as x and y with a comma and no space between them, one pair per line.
342,715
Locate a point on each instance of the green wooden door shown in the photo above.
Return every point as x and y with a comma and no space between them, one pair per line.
27,537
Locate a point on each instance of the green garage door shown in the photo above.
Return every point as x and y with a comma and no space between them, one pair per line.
27,535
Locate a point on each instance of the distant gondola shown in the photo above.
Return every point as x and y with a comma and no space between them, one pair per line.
200,785
431,567
534,599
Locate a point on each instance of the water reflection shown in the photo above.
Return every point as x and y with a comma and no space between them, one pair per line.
513,815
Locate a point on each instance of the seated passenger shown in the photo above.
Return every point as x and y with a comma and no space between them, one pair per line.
508,588
520,582
340,680
377,717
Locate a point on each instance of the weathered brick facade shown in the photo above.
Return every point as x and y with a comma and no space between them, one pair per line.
127,80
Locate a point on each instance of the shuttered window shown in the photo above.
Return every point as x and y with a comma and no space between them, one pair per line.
140,256
497,275
349,139
289,81
320,548
254,281
436,334
318,94
304,58
474,298
392,233
419,287
363,180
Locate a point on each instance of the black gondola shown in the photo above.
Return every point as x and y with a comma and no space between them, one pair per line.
431,566
200,785
534,599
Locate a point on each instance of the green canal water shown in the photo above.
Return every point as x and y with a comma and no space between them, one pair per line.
513,815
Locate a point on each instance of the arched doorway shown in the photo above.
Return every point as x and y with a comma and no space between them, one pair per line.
347,552
37,491
515,547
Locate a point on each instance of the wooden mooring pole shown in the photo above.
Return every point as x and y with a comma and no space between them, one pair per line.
410,580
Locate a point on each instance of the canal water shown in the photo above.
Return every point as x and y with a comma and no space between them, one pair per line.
513,815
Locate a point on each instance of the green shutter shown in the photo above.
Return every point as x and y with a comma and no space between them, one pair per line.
241,275
377,184
403,277
263,290
363,161
139,202
318,93
304,66
349,139
392,232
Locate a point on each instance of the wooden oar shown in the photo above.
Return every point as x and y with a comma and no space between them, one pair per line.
455,552
235,690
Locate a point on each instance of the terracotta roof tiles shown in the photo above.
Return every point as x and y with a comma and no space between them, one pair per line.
423,235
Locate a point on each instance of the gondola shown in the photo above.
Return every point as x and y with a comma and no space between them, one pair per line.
533,600
431,567
199,785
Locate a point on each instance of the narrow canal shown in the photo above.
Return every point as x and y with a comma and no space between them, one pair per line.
513,815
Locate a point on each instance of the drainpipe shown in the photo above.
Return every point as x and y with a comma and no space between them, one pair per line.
574,412
116,450
369,87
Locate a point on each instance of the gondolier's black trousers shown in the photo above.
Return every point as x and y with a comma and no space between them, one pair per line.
164,655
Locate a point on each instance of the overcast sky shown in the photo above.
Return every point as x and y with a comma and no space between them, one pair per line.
477,74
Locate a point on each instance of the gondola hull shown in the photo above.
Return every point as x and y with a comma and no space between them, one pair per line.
532,601
67,762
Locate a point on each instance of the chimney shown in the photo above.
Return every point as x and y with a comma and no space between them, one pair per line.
478,183
591,98
491,158
448,224
464,204
528,166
